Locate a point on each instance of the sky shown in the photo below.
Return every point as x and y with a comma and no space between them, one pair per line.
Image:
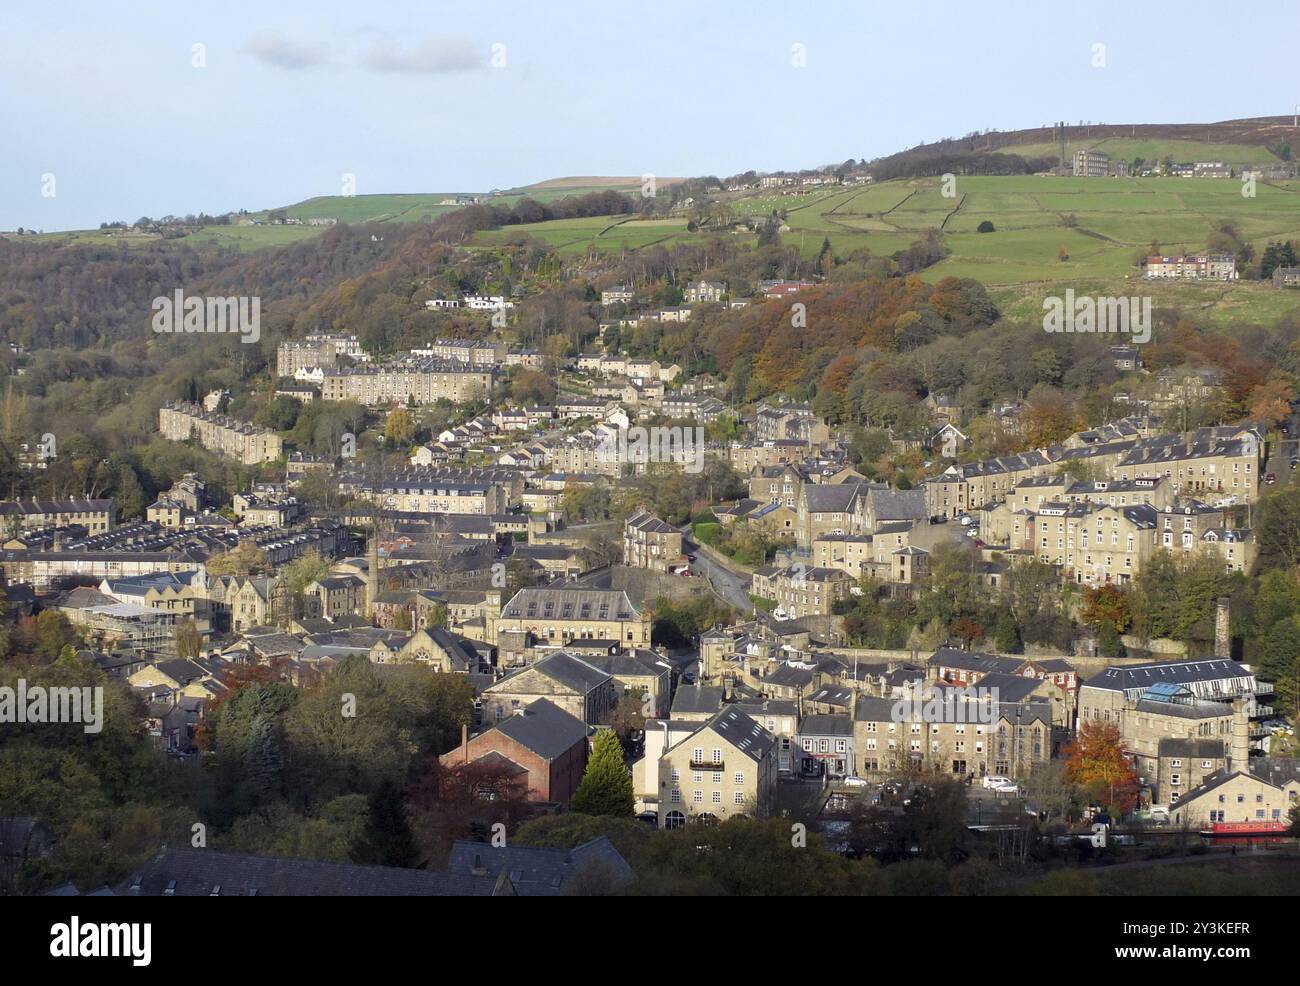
108,110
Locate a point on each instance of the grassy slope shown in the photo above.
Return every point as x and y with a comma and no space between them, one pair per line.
1117,219
1151,149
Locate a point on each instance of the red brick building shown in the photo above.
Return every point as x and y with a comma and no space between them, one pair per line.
540,739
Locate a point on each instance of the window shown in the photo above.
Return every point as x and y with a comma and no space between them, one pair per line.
740,777
717,756
740,797
697,797
717,797
676,775
676,796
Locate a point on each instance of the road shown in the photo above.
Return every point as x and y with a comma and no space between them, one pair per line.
731,585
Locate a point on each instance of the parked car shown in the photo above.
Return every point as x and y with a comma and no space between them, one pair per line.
992,781
1270,479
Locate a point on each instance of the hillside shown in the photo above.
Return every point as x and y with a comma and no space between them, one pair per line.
1255,141
1104,225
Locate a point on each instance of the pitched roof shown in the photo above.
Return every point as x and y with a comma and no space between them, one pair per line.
739,729
535,871
544,728
822,725
571,671
703,698
570,604
206,873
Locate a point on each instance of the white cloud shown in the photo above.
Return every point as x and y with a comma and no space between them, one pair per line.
433,56
273,48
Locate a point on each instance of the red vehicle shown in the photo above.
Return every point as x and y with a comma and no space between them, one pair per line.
1247,828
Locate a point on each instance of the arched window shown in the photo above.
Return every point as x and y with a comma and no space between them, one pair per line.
674,820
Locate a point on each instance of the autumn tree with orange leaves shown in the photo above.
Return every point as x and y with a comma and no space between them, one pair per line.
1095,761
1270,402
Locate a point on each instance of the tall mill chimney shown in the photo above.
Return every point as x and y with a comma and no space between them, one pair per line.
372,574
1239,747
1222,630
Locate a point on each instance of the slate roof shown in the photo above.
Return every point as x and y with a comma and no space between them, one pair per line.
889,504
206,873
696,700
571,671
1191,747
823,725
1141,676
569,604
951,657
1012,688
534,871
1277,771
544,728
748,736
870,708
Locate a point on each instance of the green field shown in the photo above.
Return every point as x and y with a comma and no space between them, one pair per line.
1104,225
1182,151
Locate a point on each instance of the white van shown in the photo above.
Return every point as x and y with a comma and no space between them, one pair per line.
994,781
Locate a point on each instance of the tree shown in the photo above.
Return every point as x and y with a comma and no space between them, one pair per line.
1006,635
985,227
243,560
387,839
1107,604
1049,787
129,494
1270,402
627,715
1095,760
1109,641
606,787
1279,525
307,568
1279,662
399,428
188,640
53,633
969,631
